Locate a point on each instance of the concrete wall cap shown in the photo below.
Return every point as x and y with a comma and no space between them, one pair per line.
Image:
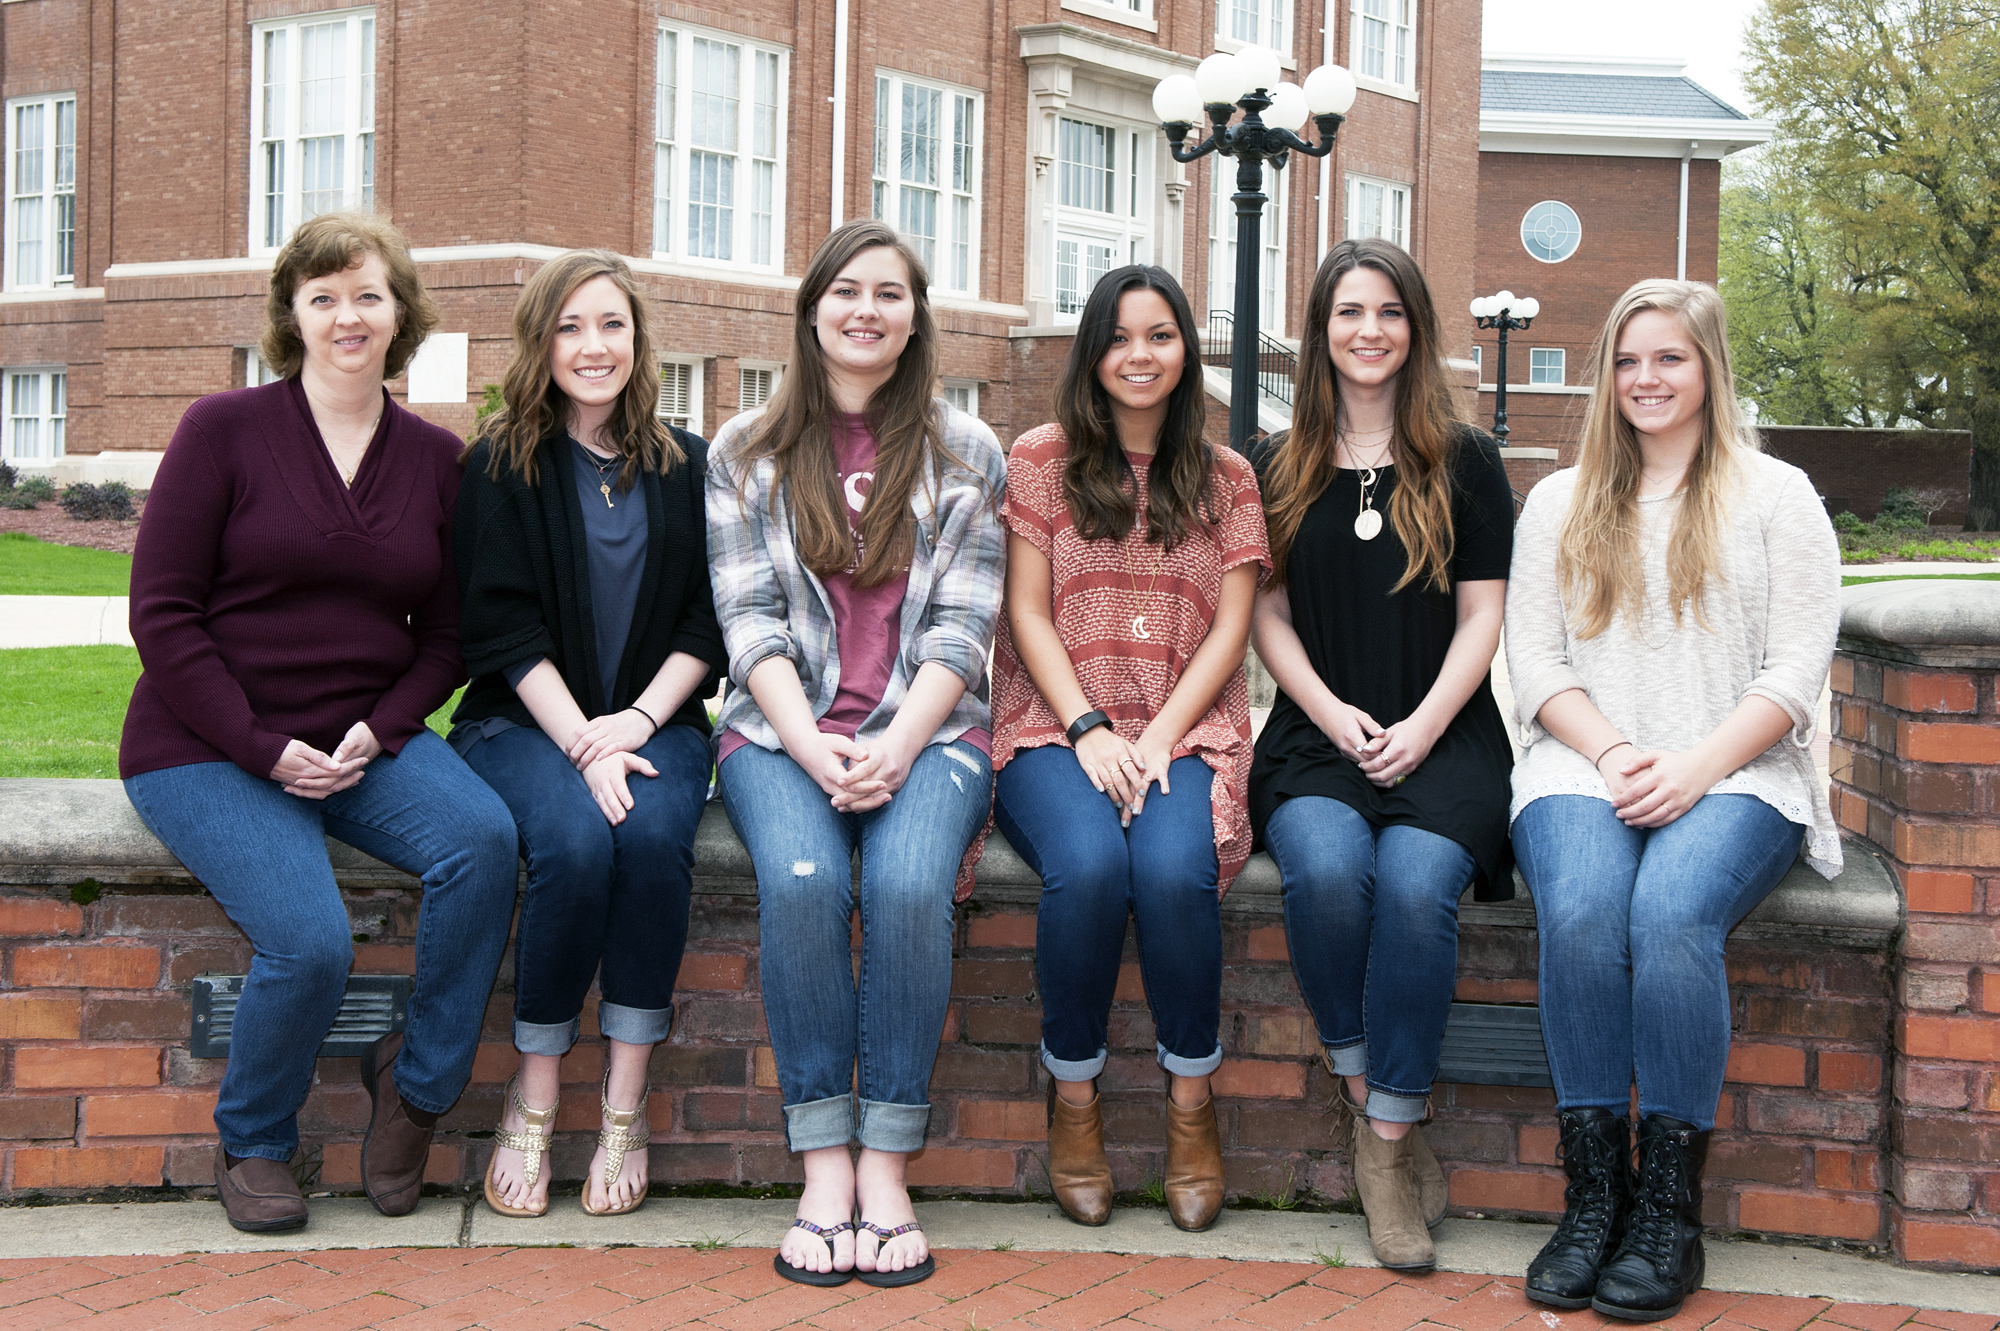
61,830
1923,612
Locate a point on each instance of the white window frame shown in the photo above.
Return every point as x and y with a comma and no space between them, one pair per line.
49,416
38,206
255,372
1478,363
278,200
754,238
756,382
952,255
1394,23
961,393
1396,220
694,367
1543,360
1222,248
1270,22
1083,235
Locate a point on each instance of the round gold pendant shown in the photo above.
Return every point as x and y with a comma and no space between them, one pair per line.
1368,524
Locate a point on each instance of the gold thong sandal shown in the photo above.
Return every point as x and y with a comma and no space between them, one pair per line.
533,1144
628,1132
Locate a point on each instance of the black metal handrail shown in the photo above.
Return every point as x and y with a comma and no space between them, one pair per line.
1277,365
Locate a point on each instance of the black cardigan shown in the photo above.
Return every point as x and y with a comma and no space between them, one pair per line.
524,584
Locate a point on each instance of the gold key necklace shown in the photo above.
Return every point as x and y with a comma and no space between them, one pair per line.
603,485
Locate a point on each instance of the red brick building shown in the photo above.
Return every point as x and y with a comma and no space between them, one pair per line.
157,155
1594,172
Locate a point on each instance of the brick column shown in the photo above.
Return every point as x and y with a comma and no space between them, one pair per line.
1916,741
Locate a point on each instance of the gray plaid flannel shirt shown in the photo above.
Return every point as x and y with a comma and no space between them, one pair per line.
770,604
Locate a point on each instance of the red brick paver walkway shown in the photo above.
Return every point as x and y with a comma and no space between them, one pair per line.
643,1289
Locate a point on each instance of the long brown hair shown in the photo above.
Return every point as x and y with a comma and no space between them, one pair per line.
796,429
536,409
1424,446
1598,564
1098,483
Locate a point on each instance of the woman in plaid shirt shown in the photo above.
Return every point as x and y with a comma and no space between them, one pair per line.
857,557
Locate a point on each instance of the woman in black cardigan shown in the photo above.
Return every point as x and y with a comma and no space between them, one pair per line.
591,637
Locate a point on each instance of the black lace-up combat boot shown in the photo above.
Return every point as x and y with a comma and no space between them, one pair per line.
1596,1153
1660,1262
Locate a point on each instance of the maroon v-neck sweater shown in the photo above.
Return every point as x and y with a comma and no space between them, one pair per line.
271,603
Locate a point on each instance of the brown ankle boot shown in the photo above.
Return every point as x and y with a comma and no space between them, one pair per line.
1078,1170
259,1196
1384,1176
1433,1193
1194,1164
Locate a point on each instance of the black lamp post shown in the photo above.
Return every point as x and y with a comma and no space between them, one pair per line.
1507,313
1249,79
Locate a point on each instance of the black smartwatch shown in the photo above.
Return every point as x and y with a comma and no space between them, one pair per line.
1084,724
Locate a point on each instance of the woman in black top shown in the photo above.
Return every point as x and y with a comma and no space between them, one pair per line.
1380,783
591,637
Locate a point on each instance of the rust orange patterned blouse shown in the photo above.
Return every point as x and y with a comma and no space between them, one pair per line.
1100,588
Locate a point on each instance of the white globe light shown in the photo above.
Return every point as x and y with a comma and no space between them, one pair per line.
1219,79
1529,308
1288,107
1261,68
1329,91
1503,301
1479,310
1177,100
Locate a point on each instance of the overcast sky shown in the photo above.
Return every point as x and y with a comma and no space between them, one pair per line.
1708,34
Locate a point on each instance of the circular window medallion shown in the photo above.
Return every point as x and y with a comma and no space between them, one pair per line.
1551,231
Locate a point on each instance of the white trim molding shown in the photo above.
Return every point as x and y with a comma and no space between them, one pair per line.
37,297
1618,136
1114,13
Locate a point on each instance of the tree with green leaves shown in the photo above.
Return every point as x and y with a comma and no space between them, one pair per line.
1888,118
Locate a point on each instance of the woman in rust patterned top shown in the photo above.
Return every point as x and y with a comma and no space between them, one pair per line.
1122,719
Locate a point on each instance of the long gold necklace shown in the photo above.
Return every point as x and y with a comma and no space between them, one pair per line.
347,474
603,485
1367,519
1132,574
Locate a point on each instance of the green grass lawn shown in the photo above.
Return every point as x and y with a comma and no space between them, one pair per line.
1857,580
32,567
65,708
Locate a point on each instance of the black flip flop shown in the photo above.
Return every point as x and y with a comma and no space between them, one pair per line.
909,1275
823,1279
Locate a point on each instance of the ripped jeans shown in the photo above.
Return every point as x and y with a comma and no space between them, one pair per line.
820,1018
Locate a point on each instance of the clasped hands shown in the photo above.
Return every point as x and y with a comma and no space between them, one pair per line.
306,772
1123,769
605,750
857,777
1385,754
1652,787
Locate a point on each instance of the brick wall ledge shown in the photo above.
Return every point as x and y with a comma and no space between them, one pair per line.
58,831
1947,622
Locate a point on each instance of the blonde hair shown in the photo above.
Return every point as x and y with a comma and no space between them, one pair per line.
1598,561
333,243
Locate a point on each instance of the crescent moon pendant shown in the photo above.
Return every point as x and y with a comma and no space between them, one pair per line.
1139,627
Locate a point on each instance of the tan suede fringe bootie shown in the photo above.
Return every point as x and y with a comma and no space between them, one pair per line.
1078,1171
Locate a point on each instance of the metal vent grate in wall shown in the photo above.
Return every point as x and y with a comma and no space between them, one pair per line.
372,1007
1489,1045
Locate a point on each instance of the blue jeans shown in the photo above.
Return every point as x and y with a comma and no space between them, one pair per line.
1632,923
1355,894
1161,870
262,854
598,894
820,1018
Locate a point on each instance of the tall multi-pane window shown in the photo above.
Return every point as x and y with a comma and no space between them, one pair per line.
1384,44
1222,248
926,177
718,143
1378,208
1101,200
41,191
312,120
35,409
1258,22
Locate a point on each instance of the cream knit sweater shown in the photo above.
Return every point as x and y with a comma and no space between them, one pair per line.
1771,623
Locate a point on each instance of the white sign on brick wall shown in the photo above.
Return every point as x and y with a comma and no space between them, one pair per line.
438,370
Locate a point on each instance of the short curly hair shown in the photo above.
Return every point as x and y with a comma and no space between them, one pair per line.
327,244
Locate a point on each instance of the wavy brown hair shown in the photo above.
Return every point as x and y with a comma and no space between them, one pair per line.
536,409
796,430
1424,446
331,243
1598,564
1099,485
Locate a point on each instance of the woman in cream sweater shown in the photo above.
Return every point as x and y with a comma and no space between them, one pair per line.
1670,622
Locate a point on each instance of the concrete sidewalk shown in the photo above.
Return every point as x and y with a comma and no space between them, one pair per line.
1487,1248
64,621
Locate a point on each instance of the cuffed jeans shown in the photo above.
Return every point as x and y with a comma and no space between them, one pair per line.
262,854
598,895
820,1018
1161,870
1371,918
1632,923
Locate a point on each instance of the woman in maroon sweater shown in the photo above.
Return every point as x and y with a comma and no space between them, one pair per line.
296,611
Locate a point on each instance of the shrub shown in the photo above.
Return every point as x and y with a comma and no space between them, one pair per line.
91,503
7,477
490,401
30,492
1901,511
1848,522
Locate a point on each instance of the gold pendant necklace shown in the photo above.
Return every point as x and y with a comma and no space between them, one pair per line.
603,486
1139,629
